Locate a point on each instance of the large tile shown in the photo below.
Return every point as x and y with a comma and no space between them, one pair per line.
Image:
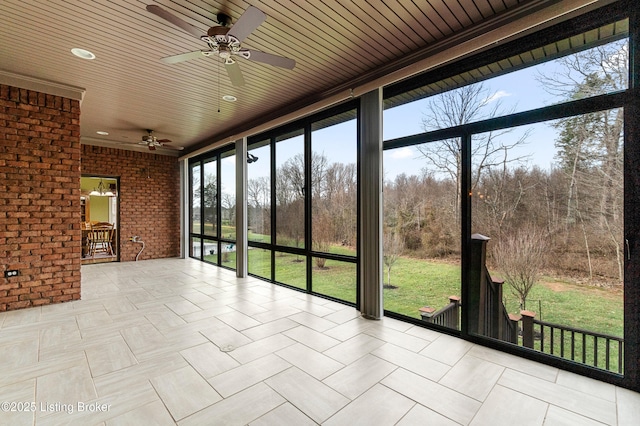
184,392
572,400
314,308
260,348
349,329
342,315
93,319
138,374
247,375
224,336
357,377
164,318
398,338
517,363
557,416
426,367
209,360
628,403
270,328
182,307
440,399
143,338
154,413
377,406
310,361
68,386
312,321
238,320
107,357
311,338
21,317
421,415
18,354
99,410
312,397
506,407
354,348
17,394
60,332
473,377
286,414
587,385
247,308
447,349
239,409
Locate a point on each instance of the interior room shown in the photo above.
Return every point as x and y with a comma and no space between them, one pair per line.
270,212
99,219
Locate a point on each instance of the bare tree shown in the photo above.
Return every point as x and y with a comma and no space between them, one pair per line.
590,145
520,257
392,250
462,106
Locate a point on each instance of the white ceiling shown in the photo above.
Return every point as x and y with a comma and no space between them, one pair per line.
337,46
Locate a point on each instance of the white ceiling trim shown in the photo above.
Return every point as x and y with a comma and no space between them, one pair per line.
43,86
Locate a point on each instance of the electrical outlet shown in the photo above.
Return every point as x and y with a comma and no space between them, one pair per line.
11,273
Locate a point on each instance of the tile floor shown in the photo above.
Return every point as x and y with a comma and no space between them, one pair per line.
174,341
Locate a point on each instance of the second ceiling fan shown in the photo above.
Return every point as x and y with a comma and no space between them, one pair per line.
225,42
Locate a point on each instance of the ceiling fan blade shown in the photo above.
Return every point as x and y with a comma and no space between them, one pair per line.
152,148
268,58
249,21
235,75
160,12
182,57
164,140
175,148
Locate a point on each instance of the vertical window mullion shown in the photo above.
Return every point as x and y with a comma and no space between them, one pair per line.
272,144
465,228
308,246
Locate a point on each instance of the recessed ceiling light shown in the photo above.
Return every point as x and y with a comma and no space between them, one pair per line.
229,98
82,53
100,132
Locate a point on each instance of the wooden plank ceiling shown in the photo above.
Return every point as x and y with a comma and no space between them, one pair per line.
128,88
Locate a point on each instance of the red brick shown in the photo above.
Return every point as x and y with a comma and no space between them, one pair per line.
31,213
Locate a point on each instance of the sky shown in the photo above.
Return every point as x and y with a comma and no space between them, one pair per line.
517,91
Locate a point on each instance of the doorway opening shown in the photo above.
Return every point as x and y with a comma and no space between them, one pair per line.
99,217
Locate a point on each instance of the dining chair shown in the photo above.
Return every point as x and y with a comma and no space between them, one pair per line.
100,237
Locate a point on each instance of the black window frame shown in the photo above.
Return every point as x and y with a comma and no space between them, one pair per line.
628,99
305,124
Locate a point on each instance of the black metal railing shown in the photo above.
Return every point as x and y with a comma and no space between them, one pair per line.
587,347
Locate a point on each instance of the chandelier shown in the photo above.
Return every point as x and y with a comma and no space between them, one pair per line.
100,191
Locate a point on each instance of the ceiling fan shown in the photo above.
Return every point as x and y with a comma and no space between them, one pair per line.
152,142
225,42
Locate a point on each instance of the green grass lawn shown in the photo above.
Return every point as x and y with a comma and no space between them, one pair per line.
420,282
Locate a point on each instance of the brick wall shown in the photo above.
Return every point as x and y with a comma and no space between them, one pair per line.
39,198
149,197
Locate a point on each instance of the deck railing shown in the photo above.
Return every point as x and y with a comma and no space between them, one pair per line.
584,346
489,317
447,316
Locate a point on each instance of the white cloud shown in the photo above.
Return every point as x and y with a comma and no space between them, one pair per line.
402,153
499,94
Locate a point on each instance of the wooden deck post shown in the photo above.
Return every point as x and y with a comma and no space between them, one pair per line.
475,304
527,328
456,312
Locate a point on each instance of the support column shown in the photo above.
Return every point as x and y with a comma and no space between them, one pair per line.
370,205
241,208
184,208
